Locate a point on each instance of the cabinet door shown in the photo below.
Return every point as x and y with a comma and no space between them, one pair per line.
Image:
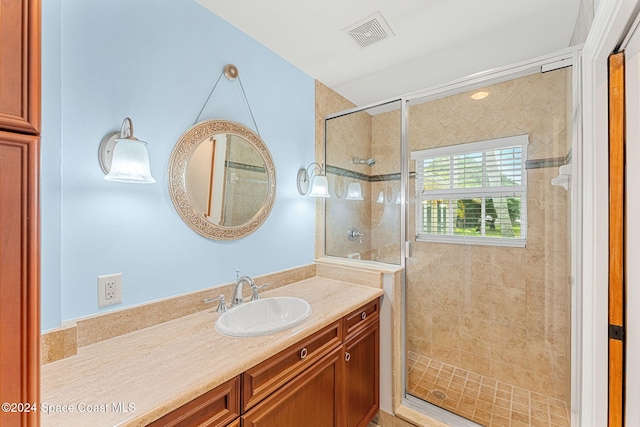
216,408
20,65
266,377
312,399
362,373
19,278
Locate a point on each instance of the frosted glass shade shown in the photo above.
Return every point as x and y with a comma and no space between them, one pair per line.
320,187
354,192
380,197
130,162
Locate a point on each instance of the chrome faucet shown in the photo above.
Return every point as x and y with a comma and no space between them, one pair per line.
237,292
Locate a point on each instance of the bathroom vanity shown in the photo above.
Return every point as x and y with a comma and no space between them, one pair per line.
324,372
330,378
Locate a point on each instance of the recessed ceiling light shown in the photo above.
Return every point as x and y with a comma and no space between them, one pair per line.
480,95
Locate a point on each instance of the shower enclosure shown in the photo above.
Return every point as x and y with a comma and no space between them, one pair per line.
464,174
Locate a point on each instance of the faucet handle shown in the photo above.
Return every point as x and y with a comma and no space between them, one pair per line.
222,306
255,291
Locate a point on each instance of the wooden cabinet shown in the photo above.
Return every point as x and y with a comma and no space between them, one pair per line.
312,399
361,385
20,66
340,390
266,377
329,379
19,211
19,277
216,408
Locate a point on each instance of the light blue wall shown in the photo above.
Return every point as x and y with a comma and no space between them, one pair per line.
156,61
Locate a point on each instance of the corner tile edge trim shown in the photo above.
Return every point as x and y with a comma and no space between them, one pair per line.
59,343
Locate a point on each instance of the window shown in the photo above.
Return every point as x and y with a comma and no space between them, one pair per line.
473,193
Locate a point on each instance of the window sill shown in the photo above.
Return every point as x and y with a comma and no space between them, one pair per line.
476,241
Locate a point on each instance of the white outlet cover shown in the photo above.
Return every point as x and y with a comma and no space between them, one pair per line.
109,289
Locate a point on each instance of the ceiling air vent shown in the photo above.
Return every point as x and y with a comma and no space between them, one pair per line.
369,31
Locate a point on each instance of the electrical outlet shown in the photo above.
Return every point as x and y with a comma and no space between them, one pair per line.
109,289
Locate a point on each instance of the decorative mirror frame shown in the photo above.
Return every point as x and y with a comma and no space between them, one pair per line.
180,198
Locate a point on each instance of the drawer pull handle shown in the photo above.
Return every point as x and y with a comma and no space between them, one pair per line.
364,315
347,356
303,353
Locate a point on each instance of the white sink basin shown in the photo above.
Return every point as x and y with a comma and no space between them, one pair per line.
263,317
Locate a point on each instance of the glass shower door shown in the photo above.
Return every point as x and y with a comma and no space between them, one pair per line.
488,293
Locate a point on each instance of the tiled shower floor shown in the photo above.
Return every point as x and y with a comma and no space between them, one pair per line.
481,399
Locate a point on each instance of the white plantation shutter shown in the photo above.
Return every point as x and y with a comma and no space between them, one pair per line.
473,193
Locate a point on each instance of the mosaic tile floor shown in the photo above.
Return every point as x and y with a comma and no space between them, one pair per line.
486,401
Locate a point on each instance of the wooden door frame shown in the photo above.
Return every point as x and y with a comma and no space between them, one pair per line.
616,239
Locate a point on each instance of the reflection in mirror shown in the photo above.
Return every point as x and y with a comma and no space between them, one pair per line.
222,179
227,180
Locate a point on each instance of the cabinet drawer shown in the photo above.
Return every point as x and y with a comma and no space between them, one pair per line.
362,317
265,378
216,408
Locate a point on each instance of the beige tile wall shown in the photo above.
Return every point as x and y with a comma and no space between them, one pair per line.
497,311
347,137
385,218
327,102
359,135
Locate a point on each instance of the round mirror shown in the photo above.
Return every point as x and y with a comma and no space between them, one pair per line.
222,180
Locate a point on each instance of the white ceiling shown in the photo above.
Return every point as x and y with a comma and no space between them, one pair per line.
435,41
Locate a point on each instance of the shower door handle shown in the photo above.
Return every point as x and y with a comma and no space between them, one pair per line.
353,233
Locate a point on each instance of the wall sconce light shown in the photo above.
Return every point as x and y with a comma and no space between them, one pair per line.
124,158
319,186
380,197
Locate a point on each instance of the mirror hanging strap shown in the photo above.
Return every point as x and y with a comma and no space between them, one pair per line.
231,72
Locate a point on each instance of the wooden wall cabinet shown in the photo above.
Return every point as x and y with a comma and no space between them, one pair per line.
19,211
20,66
19,278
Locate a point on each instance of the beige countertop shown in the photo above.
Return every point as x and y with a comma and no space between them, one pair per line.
136,378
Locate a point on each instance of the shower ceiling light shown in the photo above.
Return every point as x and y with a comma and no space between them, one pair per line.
480,95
